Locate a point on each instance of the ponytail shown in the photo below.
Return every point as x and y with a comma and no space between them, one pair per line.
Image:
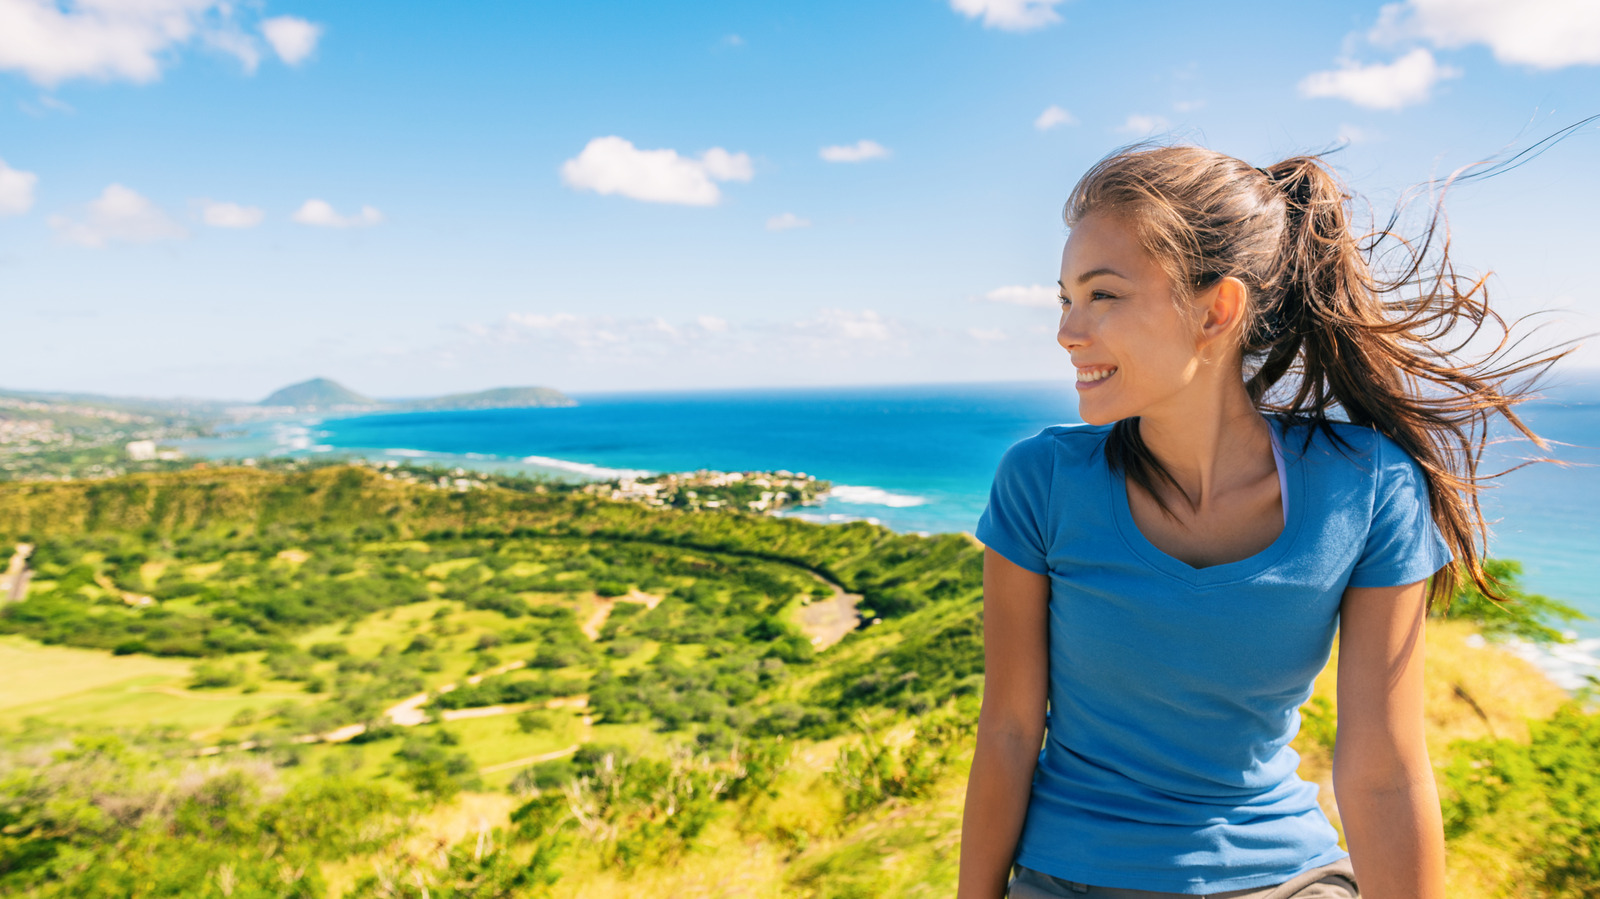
1322,331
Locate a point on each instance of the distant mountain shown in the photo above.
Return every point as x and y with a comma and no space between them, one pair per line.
318,393
321,393
498,398
137,405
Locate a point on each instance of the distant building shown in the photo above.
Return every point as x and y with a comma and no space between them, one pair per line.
141,450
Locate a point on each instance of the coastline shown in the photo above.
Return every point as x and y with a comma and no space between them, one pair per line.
920,501
1570,666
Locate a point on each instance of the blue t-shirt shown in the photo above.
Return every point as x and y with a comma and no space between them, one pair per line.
1174,691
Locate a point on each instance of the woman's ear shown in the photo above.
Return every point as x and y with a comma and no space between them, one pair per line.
1222,307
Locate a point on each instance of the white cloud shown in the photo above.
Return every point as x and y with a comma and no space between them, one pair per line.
1405,82
786,221
118,215
1545,34
830,332
865,325
1024,295
1141,124
231,215
725,166
860,151
1054,117
1187,105
49,44
540,322
291,38
589,333
1010,15
612,165
44,106
119,39
1355,134
583,347
16,190
320,214
230,39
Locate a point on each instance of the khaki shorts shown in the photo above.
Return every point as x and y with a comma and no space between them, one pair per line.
1334,881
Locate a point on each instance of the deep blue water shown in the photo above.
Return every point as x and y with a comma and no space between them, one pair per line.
916,458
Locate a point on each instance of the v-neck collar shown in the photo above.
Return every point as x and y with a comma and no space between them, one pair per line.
1228,572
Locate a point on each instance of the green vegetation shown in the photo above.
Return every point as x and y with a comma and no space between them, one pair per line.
522,690
1536,800
496,398
52,436
317,393
322,393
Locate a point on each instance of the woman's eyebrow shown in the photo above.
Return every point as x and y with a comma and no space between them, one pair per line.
1097,271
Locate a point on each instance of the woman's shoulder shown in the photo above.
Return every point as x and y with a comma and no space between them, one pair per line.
1057,447
1361,450
1073,432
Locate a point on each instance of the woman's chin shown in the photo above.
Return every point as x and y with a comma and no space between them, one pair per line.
1093,416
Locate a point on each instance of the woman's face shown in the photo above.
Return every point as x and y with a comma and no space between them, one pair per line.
1134,352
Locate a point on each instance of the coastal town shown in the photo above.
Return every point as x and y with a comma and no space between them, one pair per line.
44,437
703,489
72,438
758,491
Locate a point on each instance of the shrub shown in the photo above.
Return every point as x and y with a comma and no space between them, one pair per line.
215,675
328,650
432,769
534,720
1541,800
1526,615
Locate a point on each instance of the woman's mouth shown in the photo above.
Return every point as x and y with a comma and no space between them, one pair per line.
1089,377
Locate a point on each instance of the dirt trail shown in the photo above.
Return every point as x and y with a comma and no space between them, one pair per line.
826,621
14,583
405,713
597,619
530,760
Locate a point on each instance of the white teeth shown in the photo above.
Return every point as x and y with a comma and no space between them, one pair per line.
1099,375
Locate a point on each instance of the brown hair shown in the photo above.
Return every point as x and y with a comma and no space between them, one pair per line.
1386,352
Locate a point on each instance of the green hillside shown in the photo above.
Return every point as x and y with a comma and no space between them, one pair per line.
322,393
340,683
497,398
317,393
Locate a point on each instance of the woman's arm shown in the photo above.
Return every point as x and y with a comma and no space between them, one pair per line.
1016,662
1382,777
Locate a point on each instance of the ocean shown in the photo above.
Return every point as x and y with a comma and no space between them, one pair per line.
920,458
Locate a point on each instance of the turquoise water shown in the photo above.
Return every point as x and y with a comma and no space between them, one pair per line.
915,458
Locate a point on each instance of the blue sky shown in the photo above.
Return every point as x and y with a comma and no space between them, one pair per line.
214,200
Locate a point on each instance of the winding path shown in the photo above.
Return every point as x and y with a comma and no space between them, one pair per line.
826,621
604,604
408,713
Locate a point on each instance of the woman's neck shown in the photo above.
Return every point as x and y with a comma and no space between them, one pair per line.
1211,441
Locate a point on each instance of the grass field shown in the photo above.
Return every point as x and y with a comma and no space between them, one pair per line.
90,687
34,673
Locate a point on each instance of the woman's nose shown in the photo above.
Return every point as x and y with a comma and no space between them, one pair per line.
1070,333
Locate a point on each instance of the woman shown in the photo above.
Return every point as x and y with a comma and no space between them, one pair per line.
1169,576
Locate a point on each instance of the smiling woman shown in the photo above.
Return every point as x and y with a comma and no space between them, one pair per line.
1279,443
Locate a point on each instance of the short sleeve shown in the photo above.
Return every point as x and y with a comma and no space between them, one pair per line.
1404,544
1015,522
